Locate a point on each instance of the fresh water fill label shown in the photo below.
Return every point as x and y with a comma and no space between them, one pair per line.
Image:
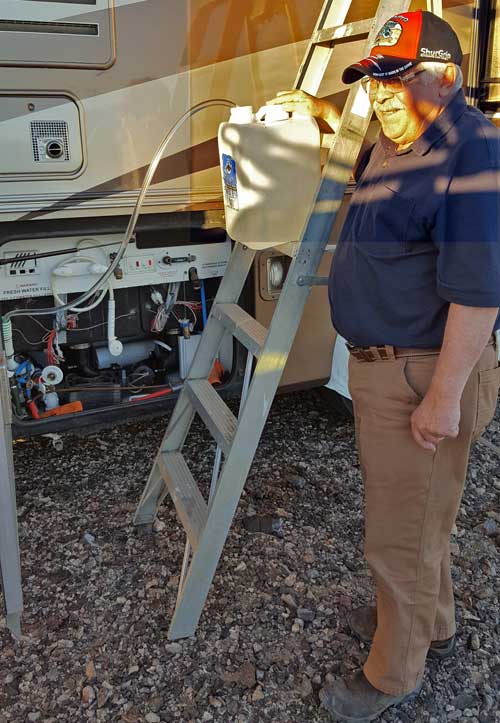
230,184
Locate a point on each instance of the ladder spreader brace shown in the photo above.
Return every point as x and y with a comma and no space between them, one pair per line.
207,525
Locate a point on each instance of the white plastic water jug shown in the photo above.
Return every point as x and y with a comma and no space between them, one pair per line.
270,165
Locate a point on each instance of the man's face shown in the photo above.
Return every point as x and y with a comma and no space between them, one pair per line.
405,114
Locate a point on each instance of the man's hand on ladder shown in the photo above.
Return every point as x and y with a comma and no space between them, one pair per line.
298,101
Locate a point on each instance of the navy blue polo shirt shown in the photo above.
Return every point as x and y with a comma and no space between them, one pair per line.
422,231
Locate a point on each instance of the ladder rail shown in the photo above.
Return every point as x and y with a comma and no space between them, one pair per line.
316,59
10,563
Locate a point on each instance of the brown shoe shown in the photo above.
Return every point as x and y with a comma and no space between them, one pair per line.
363,623
355,699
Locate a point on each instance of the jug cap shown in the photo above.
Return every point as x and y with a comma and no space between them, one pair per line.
242,114
272,114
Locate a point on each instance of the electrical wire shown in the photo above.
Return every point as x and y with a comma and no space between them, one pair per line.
187,305
33,318
102,323
85,328
31,343
93,388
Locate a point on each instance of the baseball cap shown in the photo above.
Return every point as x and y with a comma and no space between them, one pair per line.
404,41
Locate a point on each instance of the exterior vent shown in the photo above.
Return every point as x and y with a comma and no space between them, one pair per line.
41,26
50,141
68,2
46,33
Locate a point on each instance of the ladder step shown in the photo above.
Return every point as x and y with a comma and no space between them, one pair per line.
218,418
347,32
187,498
242,326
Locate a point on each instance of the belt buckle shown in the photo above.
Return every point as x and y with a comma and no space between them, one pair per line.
359,352
371,353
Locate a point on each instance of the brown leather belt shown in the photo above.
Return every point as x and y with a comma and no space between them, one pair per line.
388,352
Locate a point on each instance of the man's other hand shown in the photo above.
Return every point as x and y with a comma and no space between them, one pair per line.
435,419
298,101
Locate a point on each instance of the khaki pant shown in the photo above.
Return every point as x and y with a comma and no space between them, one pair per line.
412,497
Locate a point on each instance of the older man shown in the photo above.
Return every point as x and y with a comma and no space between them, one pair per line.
415,288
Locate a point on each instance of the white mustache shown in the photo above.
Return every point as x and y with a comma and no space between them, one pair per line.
385,109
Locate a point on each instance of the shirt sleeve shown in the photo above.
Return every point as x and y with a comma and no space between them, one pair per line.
466,228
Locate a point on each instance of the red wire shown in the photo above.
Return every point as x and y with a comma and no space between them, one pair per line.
51,359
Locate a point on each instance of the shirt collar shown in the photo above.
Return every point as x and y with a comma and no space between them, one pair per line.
439,128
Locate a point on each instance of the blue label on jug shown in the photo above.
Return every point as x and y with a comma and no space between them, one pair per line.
230,183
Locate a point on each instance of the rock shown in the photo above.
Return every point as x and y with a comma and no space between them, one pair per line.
241,567
258,694
484,592
88,695
159,525
103,696
298,626
32,717
306,615
289,601
309,557
490,527
290,580
155,704
454,549
312,573
89,539
296,481
345,601
305,689
245,676
152,718
90,671
264,523
133,669
474,642
173,648
464,700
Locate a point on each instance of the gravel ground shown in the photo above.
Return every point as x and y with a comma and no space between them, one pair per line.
99,596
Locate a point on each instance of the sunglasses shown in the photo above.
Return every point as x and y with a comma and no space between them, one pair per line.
391,85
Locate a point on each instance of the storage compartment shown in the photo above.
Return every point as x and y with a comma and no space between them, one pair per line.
132,343
61,33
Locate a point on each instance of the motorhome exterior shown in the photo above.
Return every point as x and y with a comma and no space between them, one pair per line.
87,91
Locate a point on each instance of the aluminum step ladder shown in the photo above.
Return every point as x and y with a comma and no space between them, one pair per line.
207,525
